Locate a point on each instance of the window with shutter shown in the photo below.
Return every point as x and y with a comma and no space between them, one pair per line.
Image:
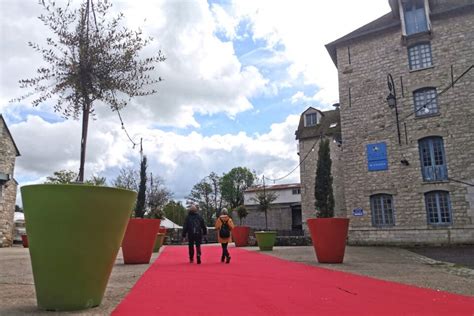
433,160
415,16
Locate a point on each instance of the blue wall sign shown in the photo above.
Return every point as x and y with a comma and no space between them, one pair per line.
377,157
358,212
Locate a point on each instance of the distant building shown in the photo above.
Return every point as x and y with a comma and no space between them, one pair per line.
8,185
315,125
284,213
408,180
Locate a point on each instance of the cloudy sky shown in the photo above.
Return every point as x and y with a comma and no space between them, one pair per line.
237,76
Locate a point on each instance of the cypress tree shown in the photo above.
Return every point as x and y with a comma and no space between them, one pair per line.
141,197
324,198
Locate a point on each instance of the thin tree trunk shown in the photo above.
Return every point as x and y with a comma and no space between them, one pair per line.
85,127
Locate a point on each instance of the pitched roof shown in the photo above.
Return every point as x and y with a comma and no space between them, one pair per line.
274,187
9,134
392,20
329,125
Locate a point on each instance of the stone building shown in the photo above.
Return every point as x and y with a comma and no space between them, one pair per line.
8,185
315,125
409,167
284,213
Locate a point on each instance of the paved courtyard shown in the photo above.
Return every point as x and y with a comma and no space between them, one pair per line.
17,296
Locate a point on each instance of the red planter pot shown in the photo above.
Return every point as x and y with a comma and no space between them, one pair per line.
240,235
24,239
329,238
137,245
162,230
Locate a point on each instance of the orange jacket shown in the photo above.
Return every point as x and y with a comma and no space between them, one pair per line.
218,225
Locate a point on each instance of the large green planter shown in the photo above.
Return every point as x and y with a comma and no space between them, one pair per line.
74,234
266,240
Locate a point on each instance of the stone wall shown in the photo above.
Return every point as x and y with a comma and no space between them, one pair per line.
366,119
308,177
7,191
278,217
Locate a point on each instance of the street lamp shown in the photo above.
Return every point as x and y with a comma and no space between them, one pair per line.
392,102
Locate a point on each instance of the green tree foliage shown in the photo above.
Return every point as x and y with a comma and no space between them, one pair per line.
175,212
215,182
156,197
69,176
207,195
233,185
128,179
62,177
95,180
91,57
140,207
264,200
242,213
323,192
201,195
18,209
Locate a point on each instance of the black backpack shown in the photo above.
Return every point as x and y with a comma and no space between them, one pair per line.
224,232
195,226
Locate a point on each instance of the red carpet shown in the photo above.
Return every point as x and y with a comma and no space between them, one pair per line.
256,284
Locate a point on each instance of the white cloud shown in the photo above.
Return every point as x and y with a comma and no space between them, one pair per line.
182,160
201,73
303,28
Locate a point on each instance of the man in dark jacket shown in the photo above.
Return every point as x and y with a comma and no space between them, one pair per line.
195,228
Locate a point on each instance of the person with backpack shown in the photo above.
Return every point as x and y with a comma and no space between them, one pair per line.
194,227
224,226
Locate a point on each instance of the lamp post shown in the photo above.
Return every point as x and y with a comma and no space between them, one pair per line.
392,103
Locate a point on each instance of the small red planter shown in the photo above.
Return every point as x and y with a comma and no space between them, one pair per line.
24,239
240,235
329,238
162,230
137,245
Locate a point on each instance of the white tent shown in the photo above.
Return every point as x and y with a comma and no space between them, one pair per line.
19,216
169,224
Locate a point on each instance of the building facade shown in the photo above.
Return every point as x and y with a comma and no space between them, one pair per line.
406,88
8,185
315,125
284,213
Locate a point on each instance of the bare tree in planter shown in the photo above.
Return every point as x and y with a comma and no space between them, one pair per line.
323,192
264,200
90,59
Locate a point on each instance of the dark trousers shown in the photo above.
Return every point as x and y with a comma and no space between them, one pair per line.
194,241
225,252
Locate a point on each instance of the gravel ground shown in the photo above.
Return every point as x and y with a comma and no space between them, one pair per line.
17,294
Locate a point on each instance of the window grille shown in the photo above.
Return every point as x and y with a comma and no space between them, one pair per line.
438,208
382,210
426,101
419,56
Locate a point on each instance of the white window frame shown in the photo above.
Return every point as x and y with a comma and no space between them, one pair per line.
417,54
402,16
306,123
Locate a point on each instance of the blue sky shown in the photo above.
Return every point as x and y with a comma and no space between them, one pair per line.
237,76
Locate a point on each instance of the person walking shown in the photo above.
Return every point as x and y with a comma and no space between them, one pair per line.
194,227
224,226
